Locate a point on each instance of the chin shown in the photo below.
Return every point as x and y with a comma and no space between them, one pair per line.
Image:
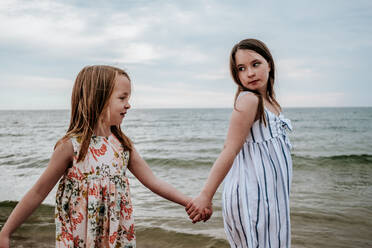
116,124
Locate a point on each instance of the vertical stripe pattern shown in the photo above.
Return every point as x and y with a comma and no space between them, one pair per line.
256,189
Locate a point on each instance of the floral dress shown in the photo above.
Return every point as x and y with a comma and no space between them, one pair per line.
93,204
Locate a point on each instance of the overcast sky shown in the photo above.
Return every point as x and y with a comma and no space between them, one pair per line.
177,52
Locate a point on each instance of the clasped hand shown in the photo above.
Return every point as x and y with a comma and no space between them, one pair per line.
199,208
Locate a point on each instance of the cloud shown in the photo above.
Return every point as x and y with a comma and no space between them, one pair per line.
39,23
35,98
318,47
147,53
222,73
297,69
34,92
30,82
60,30
314,99
180,95
139,53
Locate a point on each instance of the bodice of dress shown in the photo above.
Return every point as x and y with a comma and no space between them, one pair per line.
105,158
276,125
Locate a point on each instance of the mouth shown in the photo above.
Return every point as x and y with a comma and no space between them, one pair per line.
123,114
253,82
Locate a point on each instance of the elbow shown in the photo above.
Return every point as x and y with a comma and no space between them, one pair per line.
230,150
39,194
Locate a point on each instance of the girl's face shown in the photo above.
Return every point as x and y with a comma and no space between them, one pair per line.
119,100
253,70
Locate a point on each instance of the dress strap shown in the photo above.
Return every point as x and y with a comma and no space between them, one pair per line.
242,93
75,144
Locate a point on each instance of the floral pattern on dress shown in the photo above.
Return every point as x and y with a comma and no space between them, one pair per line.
93,203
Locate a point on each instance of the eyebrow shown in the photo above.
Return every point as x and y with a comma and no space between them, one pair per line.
252,62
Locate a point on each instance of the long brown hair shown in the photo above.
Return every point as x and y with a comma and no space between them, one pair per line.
260,48
90,94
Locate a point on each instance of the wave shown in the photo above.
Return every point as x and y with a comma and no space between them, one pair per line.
42,220
24,162
147,236
338,160
44,214
191,140
12,134
7,156
180,162
298,161
39,163
359,157
207,159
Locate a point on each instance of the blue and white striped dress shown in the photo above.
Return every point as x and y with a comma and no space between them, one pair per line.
255,198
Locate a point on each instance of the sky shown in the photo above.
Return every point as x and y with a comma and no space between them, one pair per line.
177,52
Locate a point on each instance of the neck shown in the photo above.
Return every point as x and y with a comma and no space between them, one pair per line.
102,130
265,99
263,93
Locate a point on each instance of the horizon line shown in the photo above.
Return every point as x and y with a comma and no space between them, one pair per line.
288,107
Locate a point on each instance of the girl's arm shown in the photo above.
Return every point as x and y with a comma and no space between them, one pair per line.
61,158
241,121
144,174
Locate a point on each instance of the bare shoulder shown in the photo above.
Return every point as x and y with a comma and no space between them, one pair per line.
64,149
134,157
64,143
134,152
247,102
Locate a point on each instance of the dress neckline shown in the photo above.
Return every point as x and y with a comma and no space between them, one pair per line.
101,137
276,115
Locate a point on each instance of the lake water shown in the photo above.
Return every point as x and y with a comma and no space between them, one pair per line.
331,198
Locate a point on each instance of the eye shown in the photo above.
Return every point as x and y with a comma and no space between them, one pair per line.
256,64
241,68
122,97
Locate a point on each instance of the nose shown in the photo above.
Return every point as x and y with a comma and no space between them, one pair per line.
250,72
127,105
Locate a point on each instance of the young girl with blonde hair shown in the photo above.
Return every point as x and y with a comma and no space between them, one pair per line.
255,163
93,202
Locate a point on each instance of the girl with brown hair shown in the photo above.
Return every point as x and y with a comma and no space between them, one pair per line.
93,202
255,162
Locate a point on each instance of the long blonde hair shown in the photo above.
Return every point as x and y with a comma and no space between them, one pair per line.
260,48
90,94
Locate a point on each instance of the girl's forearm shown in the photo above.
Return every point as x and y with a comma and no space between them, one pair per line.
218,172
144,174
22,211
168,192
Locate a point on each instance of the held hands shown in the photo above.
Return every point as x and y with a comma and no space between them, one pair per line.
199,208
